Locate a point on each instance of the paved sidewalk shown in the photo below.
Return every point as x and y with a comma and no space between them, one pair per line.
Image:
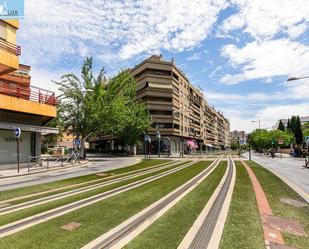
97,165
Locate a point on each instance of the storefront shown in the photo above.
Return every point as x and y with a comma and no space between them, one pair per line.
30,142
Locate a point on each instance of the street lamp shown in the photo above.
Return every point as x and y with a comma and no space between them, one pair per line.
297,78
255,121
180,112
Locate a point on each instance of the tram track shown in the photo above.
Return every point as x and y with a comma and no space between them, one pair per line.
53,213
207,229
88,183
9,209
126,231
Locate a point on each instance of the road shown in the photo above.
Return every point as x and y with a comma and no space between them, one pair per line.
96,165
290,168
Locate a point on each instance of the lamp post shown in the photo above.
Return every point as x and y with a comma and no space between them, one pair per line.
297,78
180,112
254,121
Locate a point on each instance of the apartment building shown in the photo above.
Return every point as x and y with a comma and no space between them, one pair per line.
21,105
178,109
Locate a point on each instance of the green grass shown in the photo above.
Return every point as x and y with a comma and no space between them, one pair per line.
169,230
242,228
100,217
8,194
23,213
275,189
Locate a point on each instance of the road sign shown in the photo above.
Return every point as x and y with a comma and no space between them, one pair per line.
77,142
280,141
17,132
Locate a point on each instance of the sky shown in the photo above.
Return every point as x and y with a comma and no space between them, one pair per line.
239,52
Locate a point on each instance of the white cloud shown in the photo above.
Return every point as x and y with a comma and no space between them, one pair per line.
240,119
194,57
43,78
264,19
266,59
53,29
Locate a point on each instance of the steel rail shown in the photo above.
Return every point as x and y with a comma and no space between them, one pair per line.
43,200
118,235
87,182
203,236
42,217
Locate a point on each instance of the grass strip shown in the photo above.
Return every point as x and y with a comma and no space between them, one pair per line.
169,230
275,189
100,217
27,212
12,193
242,228
113,176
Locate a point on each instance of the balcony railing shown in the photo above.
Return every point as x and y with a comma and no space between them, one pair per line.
31,93
10,47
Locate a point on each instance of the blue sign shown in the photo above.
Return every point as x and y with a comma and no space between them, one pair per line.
17,132
77,142
147,138
11,9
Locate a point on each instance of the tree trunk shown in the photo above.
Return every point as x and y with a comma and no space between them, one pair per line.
82,148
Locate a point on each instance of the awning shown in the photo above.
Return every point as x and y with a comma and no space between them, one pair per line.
33,128
192,144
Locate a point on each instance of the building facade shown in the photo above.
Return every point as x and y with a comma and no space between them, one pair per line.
178,110
21,105
238,136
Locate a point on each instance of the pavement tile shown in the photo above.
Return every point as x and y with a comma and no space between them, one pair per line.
283,224
71,226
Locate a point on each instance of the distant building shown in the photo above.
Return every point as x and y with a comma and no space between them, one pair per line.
303,120
238,136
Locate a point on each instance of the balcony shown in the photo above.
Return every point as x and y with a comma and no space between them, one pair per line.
9,53
31,93
28,99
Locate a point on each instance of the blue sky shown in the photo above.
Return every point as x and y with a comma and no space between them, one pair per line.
239,52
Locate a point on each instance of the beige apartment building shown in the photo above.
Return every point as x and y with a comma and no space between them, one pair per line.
178,109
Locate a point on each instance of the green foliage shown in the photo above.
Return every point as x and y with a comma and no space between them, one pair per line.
306,132
298,132
281,126
263,139
129,118
294,126
90,105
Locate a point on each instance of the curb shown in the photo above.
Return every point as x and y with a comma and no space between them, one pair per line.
33,173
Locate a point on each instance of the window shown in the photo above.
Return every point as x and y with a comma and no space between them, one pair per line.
2,30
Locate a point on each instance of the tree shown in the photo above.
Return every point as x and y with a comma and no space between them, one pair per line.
293,123
78,106
288,126
263,139
298,134
281,126
130,117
